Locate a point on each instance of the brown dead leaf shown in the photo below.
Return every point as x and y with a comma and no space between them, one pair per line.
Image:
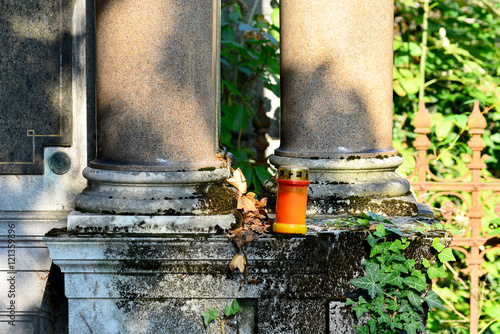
373,228
261,204
238,181
239,262
246,203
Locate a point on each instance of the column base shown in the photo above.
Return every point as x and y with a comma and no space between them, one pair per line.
355,184
156,193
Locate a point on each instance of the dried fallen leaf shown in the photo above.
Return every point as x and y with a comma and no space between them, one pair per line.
238,181
226,161
246,203
261,204
372,228
239,262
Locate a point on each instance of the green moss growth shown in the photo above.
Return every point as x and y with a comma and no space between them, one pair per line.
353,157
238,216
206,169
356,204
217,199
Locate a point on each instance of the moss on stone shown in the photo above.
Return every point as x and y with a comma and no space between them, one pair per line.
206,169
216,199
356,204
353,157
238,216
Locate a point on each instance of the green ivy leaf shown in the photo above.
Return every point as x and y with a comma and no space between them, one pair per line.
380,231
392,305
369,282
396,280
426,263
411,328
437,244
360,310
349,301
395,230
395,246
372,323
418,274
209,316
436,271
415,283
363,330
432,299
400,268
372,241
405,307
384,317
376,217
363,222
446,255
233,309
413,297
379,248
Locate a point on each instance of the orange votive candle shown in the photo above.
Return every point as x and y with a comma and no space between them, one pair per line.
291,202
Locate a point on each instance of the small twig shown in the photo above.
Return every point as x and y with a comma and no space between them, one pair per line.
222,323
488,324
455,310
455,275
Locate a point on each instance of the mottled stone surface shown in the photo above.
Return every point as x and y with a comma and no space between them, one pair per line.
156,84
354,184
135,283
39,300
157,193
35,82
336,77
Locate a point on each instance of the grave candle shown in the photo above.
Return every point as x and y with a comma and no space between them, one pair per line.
291,202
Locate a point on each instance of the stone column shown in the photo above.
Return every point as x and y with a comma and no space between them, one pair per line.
336,76
157,113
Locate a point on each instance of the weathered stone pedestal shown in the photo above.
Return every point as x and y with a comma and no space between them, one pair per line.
336,76
157,113
161,283
145,250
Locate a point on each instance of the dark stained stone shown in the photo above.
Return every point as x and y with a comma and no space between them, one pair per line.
35,82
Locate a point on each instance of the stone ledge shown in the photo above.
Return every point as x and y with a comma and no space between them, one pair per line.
298,283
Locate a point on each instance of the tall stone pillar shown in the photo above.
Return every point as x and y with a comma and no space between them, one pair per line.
336,76
157,113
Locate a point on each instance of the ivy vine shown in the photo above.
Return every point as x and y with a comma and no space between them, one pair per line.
395,286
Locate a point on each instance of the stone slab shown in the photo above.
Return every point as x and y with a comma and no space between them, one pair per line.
79,221
34,296
50,191
35,84
293,279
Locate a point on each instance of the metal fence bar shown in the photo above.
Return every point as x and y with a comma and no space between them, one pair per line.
429,187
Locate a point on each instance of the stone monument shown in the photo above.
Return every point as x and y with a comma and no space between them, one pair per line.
144,248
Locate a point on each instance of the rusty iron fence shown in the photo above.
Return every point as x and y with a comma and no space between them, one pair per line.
473,191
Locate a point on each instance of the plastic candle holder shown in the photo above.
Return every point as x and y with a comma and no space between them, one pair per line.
291,202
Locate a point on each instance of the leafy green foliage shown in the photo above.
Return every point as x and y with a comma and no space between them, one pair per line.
233,309
249,52
396,286
461,65
212,314
209,316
